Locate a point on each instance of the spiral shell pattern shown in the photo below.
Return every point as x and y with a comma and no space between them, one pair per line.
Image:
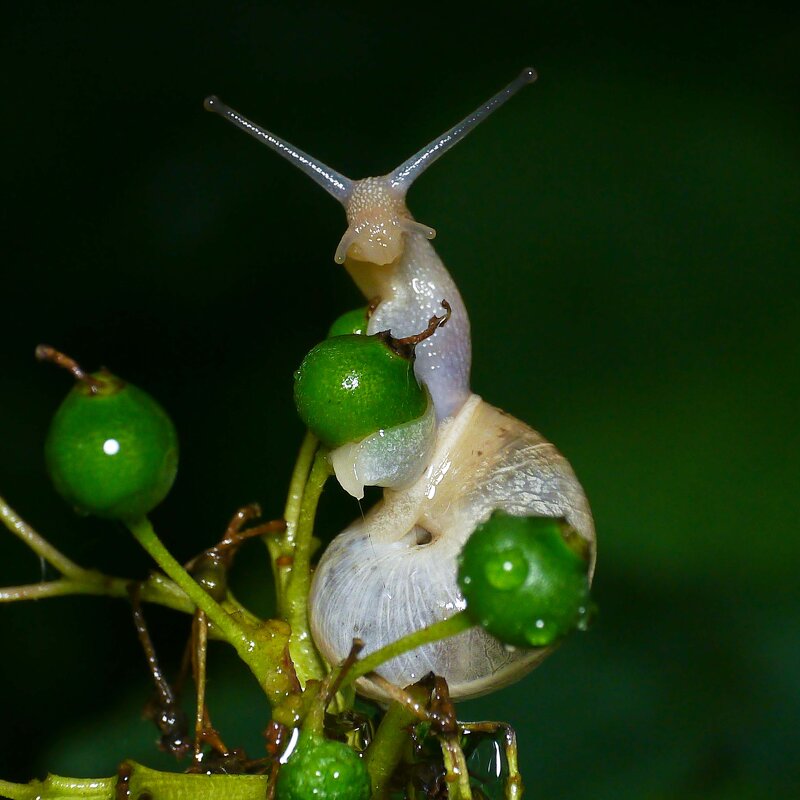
394,571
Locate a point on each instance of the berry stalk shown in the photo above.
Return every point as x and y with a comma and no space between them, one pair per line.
301,646
433,633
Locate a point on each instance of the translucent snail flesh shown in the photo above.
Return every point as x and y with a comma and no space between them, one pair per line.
394,571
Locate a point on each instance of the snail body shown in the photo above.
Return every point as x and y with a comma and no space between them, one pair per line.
411,287
393,571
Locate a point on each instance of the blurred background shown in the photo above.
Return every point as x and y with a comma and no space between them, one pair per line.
625,235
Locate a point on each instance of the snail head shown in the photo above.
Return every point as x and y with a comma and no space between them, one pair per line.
377,216
377,219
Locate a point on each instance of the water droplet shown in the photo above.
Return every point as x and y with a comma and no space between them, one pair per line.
586,615
350,382
541,633
507,570
487,765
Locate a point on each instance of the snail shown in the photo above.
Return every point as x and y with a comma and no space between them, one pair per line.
393,570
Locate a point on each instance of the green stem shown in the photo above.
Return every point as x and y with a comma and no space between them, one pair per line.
297,485
301,647
77,579
514,787
439,630
141,781
455,766
156,589
386,749
55,787
230,629
281,549
37,543
38,591
260,645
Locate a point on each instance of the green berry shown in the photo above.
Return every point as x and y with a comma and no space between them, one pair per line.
354,321
349,387
525,579
111,450
322,769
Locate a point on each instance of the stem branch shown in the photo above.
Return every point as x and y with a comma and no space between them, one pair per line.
260,645
386,750
281,549
439,630
23,531
156,589
229,628
301,646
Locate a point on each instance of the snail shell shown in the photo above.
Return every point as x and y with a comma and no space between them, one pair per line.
394,571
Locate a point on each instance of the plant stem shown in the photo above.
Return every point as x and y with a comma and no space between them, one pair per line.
386,749
439,630
455,765
156,589
141,781
77,579
37,591
297,485
301,647
37,543
147,538
281,549
260,645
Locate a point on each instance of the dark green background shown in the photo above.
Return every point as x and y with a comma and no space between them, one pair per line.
625,235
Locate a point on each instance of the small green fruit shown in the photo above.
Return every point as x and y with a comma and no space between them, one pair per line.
354,321
523,582
322,769
111,450
349,387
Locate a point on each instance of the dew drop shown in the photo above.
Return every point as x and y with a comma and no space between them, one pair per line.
487,764
586,615
507,570
540,633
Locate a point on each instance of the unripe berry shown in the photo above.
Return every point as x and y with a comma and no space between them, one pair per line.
525,579
323,769
111,450
351,386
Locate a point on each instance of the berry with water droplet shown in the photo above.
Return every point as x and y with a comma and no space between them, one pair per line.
525,579
111,450
349,387
323,769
